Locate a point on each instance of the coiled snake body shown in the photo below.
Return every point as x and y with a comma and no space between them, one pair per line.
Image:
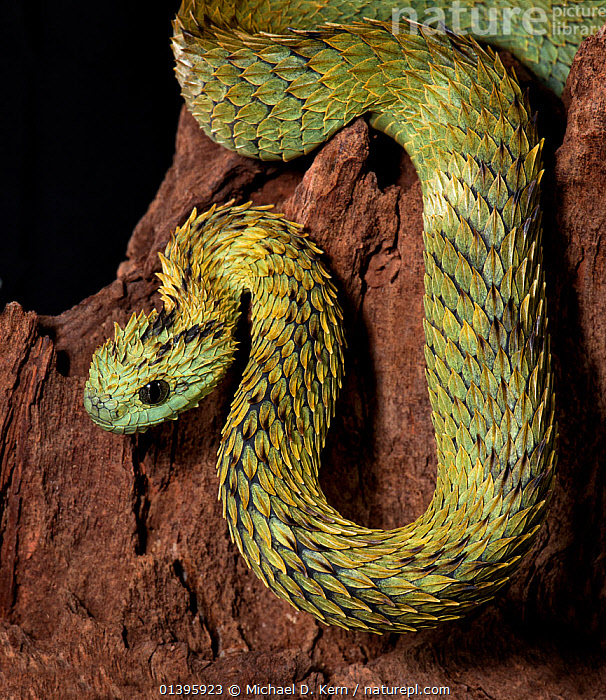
467,126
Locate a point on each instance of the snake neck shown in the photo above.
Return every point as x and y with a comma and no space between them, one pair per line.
232,250
282,409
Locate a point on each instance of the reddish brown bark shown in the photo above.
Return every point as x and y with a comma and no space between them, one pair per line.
117,573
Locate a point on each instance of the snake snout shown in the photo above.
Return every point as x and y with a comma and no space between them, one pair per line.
103,410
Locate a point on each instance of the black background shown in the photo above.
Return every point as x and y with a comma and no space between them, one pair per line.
87,126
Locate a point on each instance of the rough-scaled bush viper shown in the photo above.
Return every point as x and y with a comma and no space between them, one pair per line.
257,86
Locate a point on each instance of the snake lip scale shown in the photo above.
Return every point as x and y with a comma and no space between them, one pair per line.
265,91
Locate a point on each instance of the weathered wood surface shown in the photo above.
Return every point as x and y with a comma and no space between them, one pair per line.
117,573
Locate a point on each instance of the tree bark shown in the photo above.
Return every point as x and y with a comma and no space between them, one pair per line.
117,572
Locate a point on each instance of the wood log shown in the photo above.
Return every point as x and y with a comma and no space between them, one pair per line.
117,573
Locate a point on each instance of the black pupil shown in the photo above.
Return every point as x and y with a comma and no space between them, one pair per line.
154,392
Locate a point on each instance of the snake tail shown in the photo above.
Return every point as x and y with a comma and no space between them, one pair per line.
468,128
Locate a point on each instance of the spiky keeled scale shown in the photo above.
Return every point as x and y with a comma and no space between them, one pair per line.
468,128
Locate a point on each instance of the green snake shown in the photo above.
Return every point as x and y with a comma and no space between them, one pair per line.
257,86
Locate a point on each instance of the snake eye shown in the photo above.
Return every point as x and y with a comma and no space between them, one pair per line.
154,392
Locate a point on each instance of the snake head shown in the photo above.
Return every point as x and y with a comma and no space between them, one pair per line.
154,369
